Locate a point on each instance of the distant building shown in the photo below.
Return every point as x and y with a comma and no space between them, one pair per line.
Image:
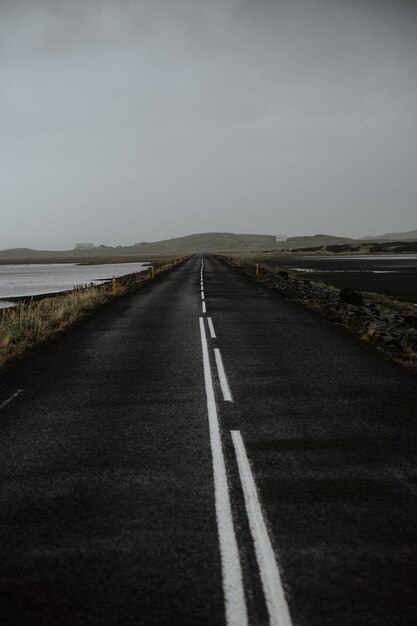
281,238
84,246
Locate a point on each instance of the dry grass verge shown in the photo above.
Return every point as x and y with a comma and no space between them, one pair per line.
27,325
31,323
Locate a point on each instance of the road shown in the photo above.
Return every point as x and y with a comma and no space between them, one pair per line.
205,452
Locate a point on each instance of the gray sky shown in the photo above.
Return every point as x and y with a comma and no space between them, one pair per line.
131,120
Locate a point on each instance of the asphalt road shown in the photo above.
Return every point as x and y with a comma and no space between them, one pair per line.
204,452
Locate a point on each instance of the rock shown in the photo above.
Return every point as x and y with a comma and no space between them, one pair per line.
391,332
350,296
411,320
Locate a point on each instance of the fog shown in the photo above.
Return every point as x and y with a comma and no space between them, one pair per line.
125,121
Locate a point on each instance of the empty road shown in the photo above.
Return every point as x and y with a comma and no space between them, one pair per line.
205,452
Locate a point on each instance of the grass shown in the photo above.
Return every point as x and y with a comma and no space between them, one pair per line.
29,324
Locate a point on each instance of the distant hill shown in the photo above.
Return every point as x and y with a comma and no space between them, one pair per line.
410,235
314,241
208,242
190,244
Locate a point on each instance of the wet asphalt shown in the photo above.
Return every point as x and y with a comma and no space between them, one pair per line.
107,500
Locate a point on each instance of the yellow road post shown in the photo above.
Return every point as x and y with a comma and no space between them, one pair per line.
113,286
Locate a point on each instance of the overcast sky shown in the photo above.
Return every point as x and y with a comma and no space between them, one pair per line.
133,120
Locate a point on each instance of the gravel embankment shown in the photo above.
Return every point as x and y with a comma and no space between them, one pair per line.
392,331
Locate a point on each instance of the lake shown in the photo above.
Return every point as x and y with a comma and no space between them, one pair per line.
34,279
392,275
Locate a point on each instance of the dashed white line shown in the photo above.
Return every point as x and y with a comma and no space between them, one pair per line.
227,396
271,581
202,295
234,596
211,328
12,397
203,307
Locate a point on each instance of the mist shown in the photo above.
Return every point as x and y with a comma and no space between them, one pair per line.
124,121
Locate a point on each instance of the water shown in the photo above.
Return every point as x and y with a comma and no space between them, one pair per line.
350,263
34,279
391,275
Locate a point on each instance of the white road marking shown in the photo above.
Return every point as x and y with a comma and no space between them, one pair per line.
203,307
202,295
234,596
227,396
271,581
211,328
12,397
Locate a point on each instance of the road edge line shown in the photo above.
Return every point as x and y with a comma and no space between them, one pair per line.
12,397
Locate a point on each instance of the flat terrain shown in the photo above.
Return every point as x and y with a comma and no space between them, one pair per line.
113,441
390,275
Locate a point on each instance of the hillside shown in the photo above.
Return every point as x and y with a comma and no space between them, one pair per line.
409,235
191,244
213,242
209,242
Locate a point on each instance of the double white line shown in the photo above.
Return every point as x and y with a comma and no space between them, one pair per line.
276,603
203,300
234,595
235,604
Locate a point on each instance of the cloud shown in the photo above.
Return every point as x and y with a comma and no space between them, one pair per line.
126,120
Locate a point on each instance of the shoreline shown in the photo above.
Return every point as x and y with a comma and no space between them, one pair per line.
389,324
40,318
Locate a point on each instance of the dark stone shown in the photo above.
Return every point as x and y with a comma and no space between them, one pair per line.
411,320
283,274
350,296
